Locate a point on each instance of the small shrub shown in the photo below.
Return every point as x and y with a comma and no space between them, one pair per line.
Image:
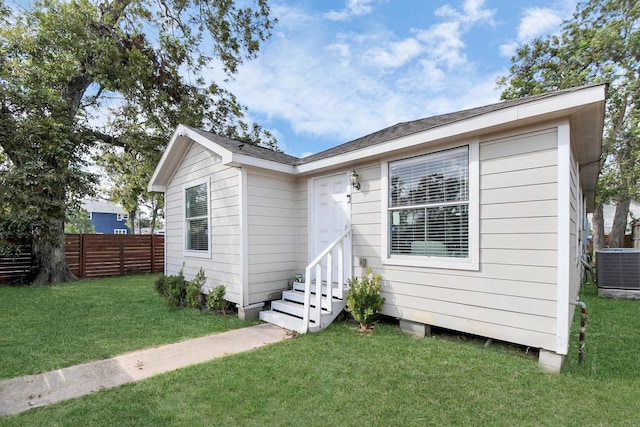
176,287
172,288
194,288
363,299
215,299
161,285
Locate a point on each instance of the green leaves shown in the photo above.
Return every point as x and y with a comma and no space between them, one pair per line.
363,299
77,74
601,44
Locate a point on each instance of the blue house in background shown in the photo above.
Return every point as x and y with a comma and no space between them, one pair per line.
107,218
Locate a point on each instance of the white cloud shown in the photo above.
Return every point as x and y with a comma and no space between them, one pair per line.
396,54
444,43
509,49
352,8
343,50
334,87
538,22
472,11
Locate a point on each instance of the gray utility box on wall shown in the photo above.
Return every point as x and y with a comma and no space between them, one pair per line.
618,268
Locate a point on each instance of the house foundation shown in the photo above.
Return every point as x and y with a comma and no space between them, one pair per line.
550,361
250,312
416,329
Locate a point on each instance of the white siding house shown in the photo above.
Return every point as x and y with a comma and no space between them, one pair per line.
476,220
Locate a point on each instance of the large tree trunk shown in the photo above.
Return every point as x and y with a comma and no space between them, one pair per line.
50,260
132,221
154,217
619,227
598,229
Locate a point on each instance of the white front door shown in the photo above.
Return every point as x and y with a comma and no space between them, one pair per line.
331,217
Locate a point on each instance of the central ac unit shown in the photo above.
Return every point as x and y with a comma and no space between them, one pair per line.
618,268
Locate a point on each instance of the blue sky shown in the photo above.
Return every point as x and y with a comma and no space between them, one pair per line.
337,70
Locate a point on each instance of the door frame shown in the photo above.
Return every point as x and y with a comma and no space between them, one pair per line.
311,235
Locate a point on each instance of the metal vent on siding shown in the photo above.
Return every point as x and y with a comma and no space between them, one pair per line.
618,268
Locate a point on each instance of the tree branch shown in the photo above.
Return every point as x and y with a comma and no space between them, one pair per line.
107,139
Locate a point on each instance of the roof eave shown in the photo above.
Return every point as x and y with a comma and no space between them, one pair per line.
240,160
181,141
178,146
587,127
559,106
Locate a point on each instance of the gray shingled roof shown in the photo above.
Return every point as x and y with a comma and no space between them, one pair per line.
248,149
388,134
409,128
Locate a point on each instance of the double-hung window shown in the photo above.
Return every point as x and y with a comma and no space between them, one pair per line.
428,207
197,219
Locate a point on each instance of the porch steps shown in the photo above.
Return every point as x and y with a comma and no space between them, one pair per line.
288,312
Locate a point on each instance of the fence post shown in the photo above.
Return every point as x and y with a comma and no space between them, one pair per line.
153,253
121,239
81,260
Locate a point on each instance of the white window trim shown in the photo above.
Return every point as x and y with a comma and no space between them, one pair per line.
122,217
120,231
187,252
470,263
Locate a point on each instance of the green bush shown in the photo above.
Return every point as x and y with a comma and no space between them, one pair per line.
215,299
363,299
173,288
178,291
194,289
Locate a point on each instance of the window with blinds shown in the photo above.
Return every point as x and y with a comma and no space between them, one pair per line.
429,205
197,218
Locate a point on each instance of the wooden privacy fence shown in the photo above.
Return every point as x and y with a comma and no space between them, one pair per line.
96,255
101,255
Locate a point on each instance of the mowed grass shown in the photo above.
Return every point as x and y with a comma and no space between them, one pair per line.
338,377
45,328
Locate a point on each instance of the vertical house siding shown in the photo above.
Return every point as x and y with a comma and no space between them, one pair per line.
223,267
513,295
272,235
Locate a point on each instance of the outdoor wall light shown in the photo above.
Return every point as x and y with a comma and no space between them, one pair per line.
354,180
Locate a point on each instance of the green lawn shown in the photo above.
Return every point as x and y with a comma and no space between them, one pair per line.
337,377
46,328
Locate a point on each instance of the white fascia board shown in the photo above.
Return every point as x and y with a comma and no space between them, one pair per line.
209,145
168,164
230,158
153,186
566,101
236,159
502,117
430,135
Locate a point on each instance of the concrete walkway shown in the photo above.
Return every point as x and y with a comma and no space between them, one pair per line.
20,394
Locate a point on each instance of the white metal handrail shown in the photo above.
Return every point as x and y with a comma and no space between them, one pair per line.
316,267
